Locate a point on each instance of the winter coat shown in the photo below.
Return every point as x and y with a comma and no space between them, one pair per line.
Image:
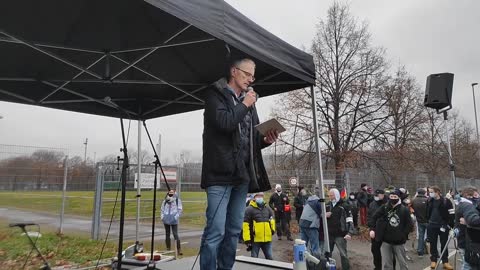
419,205
392,224
311,214
472,235
340,223
362,198
222,162
278,201
299,202
258,223
465,208
171,211
372,209
447,212
353,204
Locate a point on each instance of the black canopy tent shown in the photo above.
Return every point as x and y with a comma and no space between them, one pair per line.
151,58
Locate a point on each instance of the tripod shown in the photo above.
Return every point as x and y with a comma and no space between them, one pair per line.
450,237
22,226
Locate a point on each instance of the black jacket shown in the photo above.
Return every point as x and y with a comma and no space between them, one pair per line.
419,205
372,208
465,209
222,164
446,210
299,201
337,222
392,224
278,201
362,198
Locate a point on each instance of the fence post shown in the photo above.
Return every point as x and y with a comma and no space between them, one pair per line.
347,181
97,205
62,212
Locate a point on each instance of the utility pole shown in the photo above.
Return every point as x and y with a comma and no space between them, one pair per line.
86,144
159,146
475,110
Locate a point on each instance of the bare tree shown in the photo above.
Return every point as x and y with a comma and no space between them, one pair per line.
402,128
350,73
145,156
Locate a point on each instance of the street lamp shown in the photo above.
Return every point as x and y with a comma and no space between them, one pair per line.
475,108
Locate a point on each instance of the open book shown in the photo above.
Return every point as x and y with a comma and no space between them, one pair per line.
271,124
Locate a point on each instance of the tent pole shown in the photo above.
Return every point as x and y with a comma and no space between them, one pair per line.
139,171
125,165
319,181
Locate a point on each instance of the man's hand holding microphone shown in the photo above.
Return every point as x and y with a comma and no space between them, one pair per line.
249,101
250,97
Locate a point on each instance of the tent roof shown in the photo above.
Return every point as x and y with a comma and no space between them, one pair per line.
152,58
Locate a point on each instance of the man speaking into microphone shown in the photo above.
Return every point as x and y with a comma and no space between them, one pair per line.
232,162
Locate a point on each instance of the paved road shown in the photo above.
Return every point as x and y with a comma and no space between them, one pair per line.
83,225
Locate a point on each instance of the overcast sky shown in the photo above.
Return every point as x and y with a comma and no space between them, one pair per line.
428,36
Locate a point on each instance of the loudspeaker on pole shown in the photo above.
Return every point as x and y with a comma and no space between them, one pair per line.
438,93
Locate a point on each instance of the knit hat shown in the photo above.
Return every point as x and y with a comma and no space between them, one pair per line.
363,185
396,192
421,191
258,194
379,191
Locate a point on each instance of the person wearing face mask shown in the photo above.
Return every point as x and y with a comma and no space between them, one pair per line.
258,227
353,203
362,198
309,224
419,206
170,213
392,226
378,201
471,219
340,225
440,214
465,207
299,201
277,202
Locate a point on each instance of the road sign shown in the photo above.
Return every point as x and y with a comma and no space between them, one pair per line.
293,181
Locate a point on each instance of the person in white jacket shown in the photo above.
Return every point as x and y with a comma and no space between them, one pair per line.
170,213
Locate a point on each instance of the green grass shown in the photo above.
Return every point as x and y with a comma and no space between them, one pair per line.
80,203
58,249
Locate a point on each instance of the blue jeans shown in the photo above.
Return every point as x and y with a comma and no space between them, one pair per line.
465,265
220,237
266,248
310,235
422,230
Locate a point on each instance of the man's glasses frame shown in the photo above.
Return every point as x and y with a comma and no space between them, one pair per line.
248,74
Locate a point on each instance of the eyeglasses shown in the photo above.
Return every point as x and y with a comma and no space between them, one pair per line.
248,74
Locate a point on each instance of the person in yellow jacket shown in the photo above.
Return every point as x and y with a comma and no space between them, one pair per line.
258,227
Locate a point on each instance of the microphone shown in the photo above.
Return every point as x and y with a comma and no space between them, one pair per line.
108,100
21,224
256,98
251,89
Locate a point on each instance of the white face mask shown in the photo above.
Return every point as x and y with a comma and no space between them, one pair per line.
376,198
303,192
432,194
352,197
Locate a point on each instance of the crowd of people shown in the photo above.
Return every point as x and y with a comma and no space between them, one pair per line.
391,215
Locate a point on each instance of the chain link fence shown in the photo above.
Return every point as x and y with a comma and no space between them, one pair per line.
82,197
